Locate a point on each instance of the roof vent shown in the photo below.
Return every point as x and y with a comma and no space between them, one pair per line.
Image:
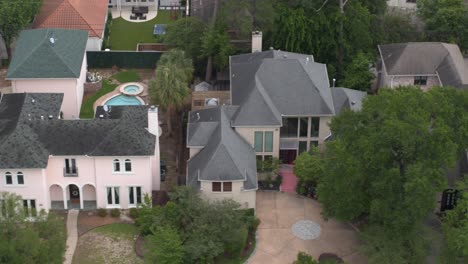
33,101
50,117
52,40
198,117
285,56
106,108
271,48
353,102
42,117
101,116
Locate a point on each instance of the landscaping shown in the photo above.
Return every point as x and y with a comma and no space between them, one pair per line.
125,35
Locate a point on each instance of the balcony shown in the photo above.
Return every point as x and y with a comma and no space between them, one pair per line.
70,172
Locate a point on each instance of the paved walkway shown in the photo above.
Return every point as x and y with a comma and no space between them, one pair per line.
289,179
276,242
72,231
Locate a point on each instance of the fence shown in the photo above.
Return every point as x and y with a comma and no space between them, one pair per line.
123,59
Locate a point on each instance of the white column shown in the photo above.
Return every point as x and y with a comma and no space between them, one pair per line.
81,197
64,192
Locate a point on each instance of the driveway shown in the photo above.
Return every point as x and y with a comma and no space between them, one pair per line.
276,242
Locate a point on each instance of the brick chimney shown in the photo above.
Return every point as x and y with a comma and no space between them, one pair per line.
256,41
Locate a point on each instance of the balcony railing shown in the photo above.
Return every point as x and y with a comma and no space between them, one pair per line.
71,172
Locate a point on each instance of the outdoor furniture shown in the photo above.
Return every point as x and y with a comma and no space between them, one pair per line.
140,10
143,17
132,17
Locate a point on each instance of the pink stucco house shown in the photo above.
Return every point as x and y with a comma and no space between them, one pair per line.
51,61
110,161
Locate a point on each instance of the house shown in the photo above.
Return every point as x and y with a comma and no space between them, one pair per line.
51,61
110,161
75,14
424,64
403,4
128,4
281,105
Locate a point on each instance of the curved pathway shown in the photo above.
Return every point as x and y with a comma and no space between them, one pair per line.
72,235
276,242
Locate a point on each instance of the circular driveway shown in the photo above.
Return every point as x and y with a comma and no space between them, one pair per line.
276,242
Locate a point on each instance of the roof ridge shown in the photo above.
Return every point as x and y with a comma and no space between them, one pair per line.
266,97
87,23
61,59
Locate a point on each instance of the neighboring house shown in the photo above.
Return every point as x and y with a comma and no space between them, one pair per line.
51,61
107,162
424,64
75,14
404,4
128,4
282,104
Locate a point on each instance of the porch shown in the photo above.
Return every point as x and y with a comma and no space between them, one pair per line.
73,196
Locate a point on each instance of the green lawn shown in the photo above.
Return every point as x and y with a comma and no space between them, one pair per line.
125,35
87,110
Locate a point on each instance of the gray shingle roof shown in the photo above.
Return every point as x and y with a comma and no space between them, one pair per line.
26,141
420,58
269,84
345,98
36,57
226,156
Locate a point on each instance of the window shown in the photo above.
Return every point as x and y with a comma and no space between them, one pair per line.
289,128
116,165
29,207
128,165
420,80
8,178
226,186
134,195
258,141
263,146
216,187
303,122
113,196
198,103
411,1
302,146
314,127
70,166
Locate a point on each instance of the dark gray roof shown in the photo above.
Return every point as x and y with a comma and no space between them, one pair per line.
27,140
344,98
37,57
270,84
422,58
225,155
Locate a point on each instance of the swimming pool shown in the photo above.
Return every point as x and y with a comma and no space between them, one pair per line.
124,100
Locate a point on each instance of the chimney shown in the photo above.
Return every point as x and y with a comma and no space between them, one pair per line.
256,41
153,122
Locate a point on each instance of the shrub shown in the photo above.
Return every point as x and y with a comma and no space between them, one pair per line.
133,213
102,212
304,258
237,242
115,212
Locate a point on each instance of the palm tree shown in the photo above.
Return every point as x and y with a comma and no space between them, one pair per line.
170,87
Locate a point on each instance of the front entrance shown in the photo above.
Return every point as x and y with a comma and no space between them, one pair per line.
287,156
74,193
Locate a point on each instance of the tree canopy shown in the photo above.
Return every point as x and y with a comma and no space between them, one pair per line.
387,162
25,241
15,15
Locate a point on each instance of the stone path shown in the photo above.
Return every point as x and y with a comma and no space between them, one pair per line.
291,223
72,232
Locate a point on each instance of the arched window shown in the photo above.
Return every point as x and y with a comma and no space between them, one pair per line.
20,178
128,165
8,178
116,165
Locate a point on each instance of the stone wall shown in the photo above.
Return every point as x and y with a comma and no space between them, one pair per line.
92,87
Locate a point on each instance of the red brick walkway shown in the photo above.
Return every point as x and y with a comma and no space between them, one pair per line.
289,179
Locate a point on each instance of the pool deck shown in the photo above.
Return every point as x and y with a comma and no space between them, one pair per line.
116,91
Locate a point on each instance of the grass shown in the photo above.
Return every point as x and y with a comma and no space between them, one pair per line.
127,76
125,231
87,110
125,35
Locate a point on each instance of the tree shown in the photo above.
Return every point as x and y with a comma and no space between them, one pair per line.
14,16
357,74
394,28
170,87
446,20
387,162
455,227
308,167
217,47
25,241
304,258
164,246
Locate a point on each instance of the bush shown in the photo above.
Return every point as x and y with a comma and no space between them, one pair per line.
133,213
115,212
102,212
304,258
237,243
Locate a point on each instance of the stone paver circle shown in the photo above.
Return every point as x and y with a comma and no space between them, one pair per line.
306,229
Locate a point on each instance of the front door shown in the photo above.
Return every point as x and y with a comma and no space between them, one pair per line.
74,193
287,156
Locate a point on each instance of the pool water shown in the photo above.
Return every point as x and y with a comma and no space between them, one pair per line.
132,89
123,100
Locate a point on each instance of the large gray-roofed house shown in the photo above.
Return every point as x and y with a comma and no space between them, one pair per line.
422,63
30,131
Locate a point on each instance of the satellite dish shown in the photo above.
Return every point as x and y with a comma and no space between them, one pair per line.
106,108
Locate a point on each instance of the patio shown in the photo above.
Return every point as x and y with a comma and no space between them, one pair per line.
127,13
87,205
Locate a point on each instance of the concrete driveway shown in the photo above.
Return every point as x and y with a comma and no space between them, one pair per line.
277,243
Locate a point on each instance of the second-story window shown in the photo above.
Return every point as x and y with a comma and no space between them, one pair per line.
420,80
128,165
263,141
20,178
116,165
10,180
70,166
